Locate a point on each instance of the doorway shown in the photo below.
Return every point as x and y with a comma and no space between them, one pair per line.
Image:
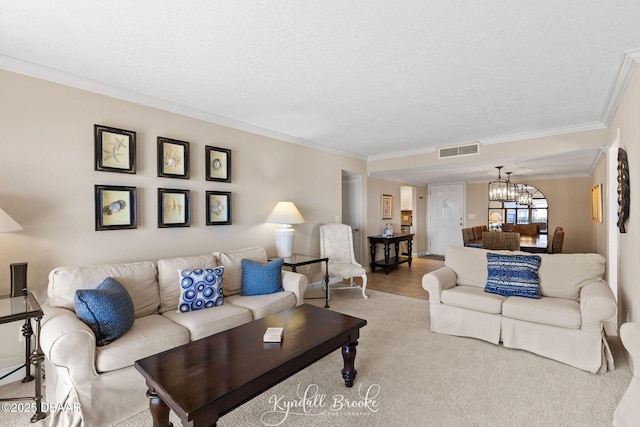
352,209
446,216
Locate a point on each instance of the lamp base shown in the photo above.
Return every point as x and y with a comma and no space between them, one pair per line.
284,240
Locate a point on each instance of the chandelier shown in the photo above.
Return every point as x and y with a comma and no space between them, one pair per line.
524,197
500,189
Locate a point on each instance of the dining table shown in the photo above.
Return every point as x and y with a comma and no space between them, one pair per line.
532,244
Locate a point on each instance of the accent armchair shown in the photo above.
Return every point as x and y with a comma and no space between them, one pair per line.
336,243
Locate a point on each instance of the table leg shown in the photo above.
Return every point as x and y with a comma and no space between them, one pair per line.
36,358
159,410
397,248
372,247
410,248
386,258
326,284
27,333
349,357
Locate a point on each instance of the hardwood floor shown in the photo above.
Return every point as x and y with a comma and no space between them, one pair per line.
403,280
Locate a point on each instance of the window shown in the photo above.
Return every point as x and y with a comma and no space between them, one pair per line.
514,213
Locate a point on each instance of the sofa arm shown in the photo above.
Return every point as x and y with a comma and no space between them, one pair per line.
598,308
437,281
296,283
68,343
630,336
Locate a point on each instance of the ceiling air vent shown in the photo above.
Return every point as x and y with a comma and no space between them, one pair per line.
460,150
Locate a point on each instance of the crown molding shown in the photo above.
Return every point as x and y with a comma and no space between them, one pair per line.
543,133
94,86
631,58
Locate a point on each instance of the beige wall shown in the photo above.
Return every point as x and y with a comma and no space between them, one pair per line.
626,118
47,183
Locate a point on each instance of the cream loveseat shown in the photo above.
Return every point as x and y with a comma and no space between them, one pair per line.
567,323
100,381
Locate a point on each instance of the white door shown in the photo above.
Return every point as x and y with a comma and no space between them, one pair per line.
351,214
446,216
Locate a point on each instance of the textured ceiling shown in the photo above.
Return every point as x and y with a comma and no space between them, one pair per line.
370,79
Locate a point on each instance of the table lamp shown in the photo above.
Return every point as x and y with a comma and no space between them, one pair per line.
285,214
495,218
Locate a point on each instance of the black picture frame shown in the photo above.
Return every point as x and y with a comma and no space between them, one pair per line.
115,207
173,158
114,149
217,164
174,208
219,208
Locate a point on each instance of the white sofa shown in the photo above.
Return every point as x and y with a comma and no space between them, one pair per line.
567,323
100,381
627,413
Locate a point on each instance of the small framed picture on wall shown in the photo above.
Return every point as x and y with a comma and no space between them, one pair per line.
218,208
115,207
114,149
218,164
386,206
174,208
173,158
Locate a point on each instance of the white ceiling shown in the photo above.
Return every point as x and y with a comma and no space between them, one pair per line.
370,79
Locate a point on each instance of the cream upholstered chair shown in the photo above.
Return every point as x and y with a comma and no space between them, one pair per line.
336,243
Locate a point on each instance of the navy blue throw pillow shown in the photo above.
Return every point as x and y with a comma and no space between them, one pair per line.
513,275
261,279
107,310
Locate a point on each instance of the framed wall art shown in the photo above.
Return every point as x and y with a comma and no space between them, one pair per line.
386,206
596,203
218,208
173,158
624,190
174,208
218,164
114,149
115,207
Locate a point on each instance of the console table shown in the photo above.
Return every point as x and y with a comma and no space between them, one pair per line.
390,262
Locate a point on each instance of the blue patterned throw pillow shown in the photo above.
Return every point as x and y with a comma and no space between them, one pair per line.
107,310
261,279
200,288
513,275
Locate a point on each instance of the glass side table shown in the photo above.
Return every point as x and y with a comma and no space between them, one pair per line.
298,260
25,308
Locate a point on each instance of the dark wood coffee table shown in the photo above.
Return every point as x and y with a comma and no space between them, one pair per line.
205,379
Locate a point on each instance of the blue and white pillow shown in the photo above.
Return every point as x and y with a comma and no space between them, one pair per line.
261,279
513,275
200,288
107,310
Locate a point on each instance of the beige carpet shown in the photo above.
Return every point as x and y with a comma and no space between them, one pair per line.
410,376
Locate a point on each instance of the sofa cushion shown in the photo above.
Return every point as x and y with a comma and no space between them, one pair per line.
560,312
168,277
472,298
107,310
264,305
261,279
564,275
202,323
149,335
232,262
139,279
470,265
200,288
513,275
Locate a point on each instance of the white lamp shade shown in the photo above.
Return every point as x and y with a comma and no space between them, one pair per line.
7,223
285,213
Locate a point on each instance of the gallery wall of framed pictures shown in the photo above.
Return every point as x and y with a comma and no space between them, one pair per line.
116,205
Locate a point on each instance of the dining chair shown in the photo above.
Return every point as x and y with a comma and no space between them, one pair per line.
336,243
465,237
558,240
512,241
493,240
